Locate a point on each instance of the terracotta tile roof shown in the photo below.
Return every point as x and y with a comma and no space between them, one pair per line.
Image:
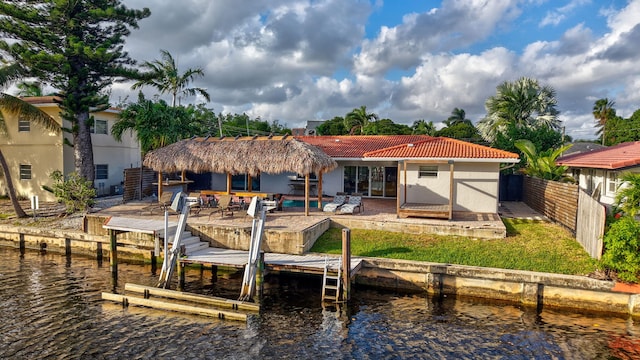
356,146
442,147
614,157
397,147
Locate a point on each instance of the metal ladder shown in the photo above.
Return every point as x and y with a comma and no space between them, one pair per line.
331,284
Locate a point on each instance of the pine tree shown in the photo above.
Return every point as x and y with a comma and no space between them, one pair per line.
77,48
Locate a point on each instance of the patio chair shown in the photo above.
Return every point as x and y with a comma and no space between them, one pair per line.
338,200
164,203
355,202
225,204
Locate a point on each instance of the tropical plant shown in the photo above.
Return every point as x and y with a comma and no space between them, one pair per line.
543,164
523,103
358,118
75,192
622,248
544,138
462,131
11,105
165,77
603,111
628,193
386,127
29,88
157,124
422,127
77,48
334,126
457,116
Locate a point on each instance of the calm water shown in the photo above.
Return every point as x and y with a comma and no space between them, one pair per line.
51,309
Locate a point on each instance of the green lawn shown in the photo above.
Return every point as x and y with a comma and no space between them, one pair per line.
529,245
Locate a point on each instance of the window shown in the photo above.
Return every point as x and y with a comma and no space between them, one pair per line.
25,172
24,125
241,183
99,127
102,172
428,171
612,182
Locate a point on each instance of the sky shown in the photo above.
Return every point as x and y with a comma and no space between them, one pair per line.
299,60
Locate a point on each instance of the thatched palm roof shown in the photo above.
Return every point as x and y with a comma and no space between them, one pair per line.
245,155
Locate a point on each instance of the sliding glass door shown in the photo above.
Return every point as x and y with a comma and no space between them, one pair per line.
375,181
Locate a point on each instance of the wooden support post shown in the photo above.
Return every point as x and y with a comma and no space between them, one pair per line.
214,274
67,247
319,188
99,253
22,244
159,184
181,275
154,263
229,183
113,257
259,279
306,195
346,264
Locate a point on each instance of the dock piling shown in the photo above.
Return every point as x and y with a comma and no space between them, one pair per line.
346,264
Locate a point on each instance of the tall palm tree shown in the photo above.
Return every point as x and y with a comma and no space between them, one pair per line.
603,111
164,76
521,103
11,105
358,118
457,116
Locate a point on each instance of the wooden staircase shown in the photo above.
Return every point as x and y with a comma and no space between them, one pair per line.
331,280
190,242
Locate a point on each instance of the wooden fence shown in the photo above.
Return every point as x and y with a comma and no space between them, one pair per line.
590,224
555,200
134,189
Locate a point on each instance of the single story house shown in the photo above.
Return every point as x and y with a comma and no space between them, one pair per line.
416,169
598,171
33,153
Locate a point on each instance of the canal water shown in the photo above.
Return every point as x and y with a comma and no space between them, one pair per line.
51,308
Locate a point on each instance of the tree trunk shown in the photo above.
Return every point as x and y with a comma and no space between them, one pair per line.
83,149
12,191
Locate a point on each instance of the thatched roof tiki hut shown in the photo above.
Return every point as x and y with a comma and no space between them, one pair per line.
243,155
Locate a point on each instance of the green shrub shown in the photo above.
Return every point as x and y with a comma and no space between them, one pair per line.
75,192
622,248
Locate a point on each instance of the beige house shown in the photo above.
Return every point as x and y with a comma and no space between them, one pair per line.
33,153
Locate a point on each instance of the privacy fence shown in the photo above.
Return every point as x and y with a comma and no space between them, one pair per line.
570,207
137,186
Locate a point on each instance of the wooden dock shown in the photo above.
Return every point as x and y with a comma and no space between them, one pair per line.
305,264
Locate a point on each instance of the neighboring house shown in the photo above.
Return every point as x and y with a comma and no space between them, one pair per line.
375,165
598,171
582,147
33,153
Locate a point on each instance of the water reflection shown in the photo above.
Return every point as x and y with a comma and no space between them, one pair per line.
53,309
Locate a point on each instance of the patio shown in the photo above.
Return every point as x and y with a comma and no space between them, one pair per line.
290,231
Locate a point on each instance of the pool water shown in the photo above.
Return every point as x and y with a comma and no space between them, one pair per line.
300,203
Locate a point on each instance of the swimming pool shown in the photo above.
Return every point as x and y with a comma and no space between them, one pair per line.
300,203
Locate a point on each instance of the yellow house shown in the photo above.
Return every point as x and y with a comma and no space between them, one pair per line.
33,153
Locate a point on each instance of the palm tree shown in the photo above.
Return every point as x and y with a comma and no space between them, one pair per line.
628,196
521,103
603,111
358,118
15,106
422,127
543,164
164,76
457,116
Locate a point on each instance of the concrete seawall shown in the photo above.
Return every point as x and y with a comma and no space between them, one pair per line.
524,287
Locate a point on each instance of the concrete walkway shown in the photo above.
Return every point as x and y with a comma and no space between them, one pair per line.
519,210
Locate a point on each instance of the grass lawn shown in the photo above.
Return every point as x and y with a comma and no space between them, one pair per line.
529,245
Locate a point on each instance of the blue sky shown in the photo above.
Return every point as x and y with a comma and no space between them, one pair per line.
299,60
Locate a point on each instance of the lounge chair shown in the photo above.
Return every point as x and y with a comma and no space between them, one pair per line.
164,203
225,204
355,202
338,200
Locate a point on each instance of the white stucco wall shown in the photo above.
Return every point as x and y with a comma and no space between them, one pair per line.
475,186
